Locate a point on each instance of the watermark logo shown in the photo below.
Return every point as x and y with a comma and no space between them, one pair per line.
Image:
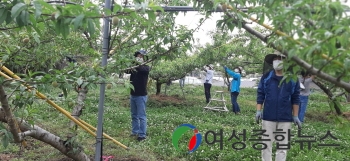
195,140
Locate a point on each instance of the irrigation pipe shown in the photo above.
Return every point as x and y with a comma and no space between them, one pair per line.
79,122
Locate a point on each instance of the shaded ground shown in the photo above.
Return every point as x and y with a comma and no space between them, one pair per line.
7,157
165,100
324,117
347,115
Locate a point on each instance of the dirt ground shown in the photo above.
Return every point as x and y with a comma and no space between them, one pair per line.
165,98
347,115
7,157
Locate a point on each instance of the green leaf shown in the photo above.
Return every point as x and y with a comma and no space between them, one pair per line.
36,37
24,17
38,8
85,84
19,21
347,63
58,26
155,8
8,18
2,10
80,81
3,15
91,27
4,58
57,14
36,28
64,90
46,5
133,15
116,8
151,16
78,20
17,9
5,141
2,127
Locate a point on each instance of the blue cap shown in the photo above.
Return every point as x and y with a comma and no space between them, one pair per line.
143,52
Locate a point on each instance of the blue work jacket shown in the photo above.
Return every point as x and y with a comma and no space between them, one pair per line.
236,81
277,99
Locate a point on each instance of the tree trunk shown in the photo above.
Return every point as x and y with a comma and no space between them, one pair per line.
10,118
159,87
78,109
70,150
38,133
329,94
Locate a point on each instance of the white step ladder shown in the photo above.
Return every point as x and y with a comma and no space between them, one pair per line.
222,99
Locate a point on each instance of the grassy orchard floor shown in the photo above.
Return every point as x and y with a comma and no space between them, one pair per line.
165,114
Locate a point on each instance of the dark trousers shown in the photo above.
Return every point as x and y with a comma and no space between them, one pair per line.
207,87
235,106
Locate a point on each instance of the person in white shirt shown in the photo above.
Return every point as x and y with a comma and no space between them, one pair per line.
208,81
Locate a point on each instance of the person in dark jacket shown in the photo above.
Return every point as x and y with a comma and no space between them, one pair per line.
277,106
138,96
235,87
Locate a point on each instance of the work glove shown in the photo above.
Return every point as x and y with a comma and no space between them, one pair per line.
297,121
258,116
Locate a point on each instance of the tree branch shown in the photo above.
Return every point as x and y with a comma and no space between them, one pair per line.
301,62
89,40
11,121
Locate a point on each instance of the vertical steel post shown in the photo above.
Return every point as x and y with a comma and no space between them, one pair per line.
105,48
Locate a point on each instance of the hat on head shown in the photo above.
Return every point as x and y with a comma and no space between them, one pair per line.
269,58
143,52
211,66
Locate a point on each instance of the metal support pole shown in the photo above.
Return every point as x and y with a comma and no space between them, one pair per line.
188,8
105,48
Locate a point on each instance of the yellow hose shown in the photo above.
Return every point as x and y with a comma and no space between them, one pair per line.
79,122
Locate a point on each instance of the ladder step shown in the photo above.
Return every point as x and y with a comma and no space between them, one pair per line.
216,108
217,100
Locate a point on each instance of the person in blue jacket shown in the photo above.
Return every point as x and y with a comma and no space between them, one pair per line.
235,87
277,106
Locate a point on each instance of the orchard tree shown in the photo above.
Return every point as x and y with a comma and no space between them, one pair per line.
170,70
233,50
314,39
35,21
238,49
53,30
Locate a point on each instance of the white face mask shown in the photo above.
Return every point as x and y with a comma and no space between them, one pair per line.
236,71
277,64
140,60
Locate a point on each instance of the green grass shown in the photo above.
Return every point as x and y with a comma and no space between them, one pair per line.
165,114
